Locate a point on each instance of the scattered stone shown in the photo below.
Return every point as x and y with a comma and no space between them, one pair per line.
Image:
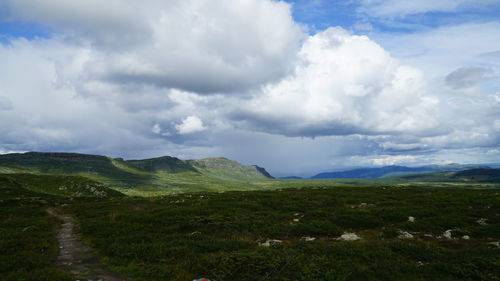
411,219
419,263
362,205
447,234
308,239
349,237
405,235
296,220
482,221
495,244
270,242
466,237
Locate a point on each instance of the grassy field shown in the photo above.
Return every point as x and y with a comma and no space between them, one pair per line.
425,229
28,245
217,235
169,176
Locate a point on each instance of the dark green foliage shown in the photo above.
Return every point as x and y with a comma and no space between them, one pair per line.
163,175
472,175
166,163
28,245
72,186
481,175
217,235
66,163
71,164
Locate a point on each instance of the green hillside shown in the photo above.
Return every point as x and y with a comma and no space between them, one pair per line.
169,175
472,175
156,176
166,164
342,229
70,186
228,169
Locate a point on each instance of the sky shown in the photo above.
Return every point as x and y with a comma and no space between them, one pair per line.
297,86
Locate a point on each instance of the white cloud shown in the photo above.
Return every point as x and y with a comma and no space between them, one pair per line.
5,103
203,78
402,8
362,26
344,84
196,45
156,129
467,77
190,124
442,50
394,160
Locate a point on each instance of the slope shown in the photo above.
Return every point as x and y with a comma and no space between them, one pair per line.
69,186
155,176
394,171
472,175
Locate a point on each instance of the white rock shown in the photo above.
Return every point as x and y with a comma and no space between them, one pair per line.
349,237
482,221
296,220
411,219
466,237
496,244
307,238
270,242
405,235
447,234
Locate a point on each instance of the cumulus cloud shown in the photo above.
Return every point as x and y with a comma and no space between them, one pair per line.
344,84
190,124
466,77
239,79
202,46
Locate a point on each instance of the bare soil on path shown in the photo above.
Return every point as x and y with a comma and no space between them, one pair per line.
76,257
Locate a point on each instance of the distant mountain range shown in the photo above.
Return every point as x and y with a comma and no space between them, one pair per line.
148,175
391,171
73,174
480,175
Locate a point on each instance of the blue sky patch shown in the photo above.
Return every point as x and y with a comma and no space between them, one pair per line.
16,29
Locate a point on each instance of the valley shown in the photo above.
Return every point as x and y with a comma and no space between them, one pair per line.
217,219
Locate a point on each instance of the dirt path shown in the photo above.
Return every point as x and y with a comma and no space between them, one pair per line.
77,258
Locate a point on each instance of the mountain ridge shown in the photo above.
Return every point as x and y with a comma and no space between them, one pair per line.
394,171
152,174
